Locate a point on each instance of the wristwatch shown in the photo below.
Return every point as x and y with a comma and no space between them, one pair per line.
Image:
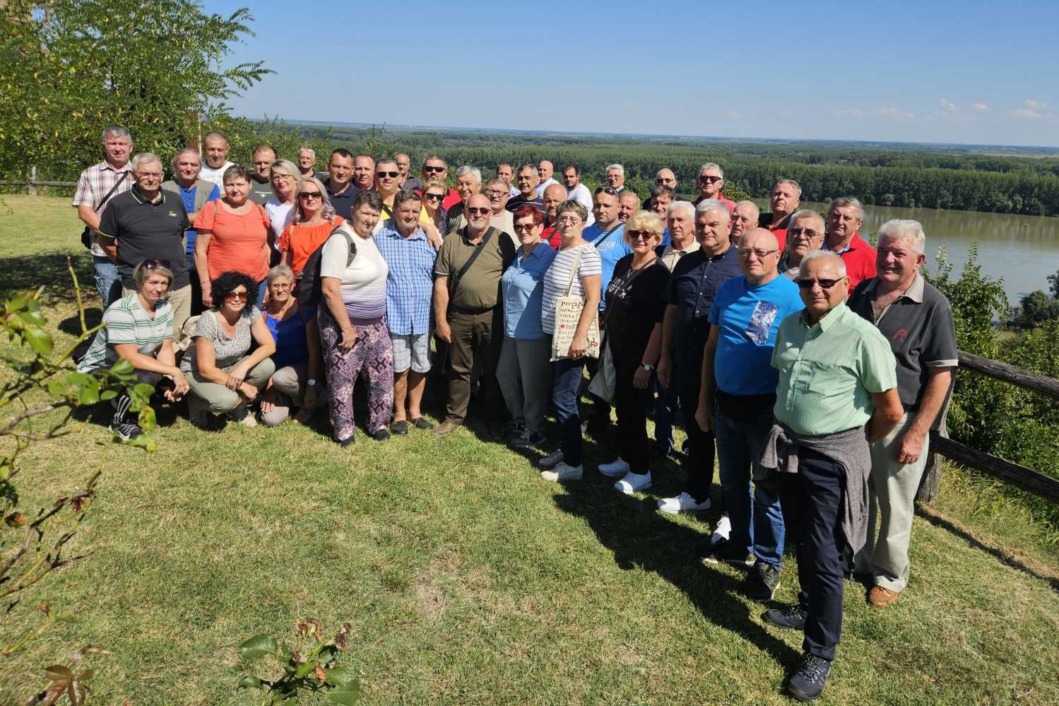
311,382
647,366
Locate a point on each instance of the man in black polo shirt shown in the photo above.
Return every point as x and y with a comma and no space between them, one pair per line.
917,321
340,189
689,295
146,223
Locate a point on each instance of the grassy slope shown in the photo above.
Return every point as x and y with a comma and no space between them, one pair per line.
466,578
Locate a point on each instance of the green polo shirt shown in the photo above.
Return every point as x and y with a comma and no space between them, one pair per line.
829,371
479,288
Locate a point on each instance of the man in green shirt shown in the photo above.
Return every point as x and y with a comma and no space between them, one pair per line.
837,393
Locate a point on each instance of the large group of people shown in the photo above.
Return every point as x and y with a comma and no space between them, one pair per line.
808,364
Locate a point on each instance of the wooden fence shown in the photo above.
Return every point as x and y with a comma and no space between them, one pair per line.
1025,478
31,182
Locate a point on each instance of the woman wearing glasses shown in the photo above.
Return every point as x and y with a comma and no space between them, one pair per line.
634,330
285,177
312,221
233,235
139,329
433,196
297,358
224,375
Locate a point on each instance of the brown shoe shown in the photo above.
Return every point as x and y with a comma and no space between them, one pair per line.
446,427
882,597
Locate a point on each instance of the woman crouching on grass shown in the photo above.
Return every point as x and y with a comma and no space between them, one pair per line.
139,329
297,356
224,375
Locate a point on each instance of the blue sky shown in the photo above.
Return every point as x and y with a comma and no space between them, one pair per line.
929,71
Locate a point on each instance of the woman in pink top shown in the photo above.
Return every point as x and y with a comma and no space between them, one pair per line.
232,236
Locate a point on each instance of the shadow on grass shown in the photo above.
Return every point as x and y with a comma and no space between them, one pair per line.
49,269
638,536
995,551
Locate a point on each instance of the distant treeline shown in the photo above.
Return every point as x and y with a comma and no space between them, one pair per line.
951,177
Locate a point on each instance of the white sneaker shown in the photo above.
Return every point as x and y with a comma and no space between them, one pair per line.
682,503
562,473
634,483
723,531
614,469
551,460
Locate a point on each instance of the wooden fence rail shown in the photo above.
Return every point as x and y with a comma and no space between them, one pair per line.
1027,479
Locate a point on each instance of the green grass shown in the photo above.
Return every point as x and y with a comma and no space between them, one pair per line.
466,578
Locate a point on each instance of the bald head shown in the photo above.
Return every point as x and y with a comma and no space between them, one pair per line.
759,255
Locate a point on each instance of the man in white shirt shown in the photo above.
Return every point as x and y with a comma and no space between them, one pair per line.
216,147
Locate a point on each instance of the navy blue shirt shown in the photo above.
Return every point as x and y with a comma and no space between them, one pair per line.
343,202
692,288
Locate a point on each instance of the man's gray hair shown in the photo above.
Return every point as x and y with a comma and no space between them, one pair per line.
621,169
144,158
466,169
711,165
792,182
116,131
711,205
834,259
802,214
755,210
844,201
184,151
686,206
310,150
905,230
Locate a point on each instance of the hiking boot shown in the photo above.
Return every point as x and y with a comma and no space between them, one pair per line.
790,617
762,582
724,552
807,681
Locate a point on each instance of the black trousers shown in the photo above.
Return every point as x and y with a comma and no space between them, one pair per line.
811,500
698,464
631,405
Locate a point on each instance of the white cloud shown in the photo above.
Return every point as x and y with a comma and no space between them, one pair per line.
980,107
732,115
1034,104
878,112
948,106
1028,113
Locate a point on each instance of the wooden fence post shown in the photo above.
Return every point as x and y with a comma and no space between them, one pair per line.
31,184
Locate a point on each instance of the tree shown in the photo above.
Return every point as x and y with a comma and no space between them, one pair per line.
1034,309
1053,285
68,68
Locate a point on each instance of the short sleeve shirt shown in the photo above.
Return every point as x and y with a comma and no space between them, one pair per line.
920,330
859,258
95,183
523,292
829,371
227,350
409,280
479,288
747,318
363,280
635,305
692,288
558,277
147,230
300,241
128,322
238,241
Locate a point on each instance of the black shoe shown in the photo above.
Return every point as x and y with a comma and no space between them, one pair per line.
126,431
346,442
380,434
807,682
791,617
724,552
528,438
400,427
762,582
422,423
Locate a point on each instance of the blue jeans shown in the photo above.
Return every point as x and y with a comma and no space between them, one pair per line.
108,280
567,375
757,519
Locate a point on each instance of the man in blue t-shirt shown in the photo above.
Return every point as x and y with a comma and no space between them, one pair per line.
736,400
607,233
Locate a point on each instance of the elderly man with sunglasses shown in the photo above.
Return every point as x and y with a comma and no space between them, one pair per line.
837,394
710,183
148,223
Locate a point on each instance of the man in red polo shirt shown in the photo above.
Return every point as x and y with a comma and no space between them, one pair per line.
783,201
435,168
845,216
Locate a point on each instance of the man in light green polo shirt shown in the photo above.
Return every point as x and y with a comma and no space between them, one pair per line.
837,392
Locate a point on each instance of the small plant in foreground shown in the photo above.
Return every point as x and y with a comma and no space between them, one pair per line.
310,666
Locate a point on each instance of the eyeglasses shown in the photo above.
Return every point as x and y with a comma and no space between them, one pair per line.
605,190
479,211
710,179
310,195
433,197
825,284
279,285
281,177
392,175
149,175
525,226
495,194
759,254
434,169
154,264
807,232
641,235
236,296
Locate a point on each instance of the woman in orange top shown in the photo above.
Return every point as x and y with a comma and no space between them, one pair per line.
312,221
232,236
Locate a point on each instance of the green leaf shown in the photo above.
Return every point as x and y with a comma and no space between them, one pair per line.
32,317
88,396
18,302
144,442
347,695
258,646
249,682
39,340
304,669
147,419
122,368
341,677
108,395
144,390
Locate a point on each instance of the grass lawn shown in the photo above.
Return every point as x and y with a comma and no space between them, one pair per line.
466,578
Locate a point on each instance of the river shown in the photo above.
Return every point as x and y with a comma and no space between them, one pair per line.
1021,250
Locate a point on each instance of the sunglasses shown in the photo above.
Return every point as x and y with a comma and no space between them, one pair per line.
760,254
434,169
807,232
525,226
153,264
310,195
392,175
641,235
236,296
825,284
605,190
479,211
710,179
434,197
